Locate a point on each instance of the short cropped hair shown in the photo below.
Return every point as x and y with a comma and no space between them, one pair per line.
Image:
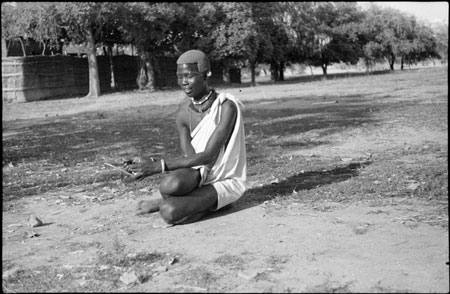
196,56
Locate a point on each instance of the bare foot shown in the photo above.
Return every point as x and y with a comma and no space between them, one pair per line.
147,206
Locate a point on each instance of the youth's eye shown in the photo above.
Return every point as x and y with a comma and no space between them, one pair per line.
187,75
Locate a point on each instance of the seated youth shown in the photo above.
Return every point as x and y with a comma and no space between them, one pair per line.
211,173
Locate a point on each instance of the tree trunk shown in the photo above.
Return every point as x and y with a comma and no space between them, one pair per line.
324,69
150,75
43,50
281,71
367,64
94,80
253,73
141,80
402,62
226,74
111,63
155,74
23,47
391,62
4,48
146,78
274,71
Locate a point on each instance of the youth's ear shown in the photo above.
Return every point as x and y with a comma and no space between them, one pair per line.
206,76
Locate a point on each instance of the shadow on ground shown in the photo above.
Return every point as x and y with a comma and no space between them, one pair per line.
284,118
90,135
76,142
294,184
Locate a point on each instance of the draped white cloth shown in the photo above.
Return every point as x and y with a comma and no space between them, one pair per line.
229,173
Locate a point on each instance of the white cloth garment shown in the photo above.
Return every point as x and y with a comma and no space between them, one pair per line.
229,173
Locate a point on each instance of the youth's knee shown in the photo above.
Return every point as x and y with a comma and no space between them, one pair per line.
168,212
171,185
176,216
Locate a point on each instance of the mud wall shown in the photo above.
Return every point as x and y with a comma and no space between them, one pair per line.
34,78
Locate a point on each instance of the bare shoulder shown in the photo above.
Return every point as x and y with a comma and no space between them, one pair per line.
228,112
229,105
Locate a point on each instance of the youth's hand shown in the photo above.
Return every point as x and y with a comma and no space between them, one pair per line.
141,168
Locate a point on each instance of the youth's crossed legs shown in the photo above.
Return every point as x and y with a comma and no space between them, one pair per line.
182,201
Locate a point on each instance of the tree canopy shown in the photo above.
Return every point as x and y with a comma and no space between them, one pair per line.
235,33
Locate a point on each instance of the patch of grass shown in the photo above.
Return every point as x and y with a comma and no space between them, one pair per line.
103,275
275,261
330,287
199,276
119,257
309,184
262,276
55,279
383,289
230,261
59,154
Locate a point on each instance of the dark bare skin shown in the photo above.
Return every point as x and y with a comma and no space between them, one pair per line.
182,200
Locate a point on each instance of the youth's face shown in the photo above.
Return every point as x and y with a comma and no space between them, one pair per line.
191,81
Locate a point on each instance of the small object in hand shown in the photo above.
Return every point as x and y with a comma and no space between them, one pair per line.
119,169
127,162
33,221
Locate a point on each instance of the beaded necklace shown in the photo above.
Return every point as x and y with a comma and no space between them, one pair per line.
199,110
203,100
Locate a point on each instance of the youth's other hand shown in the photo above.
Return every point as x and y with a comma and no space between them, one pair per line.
141,167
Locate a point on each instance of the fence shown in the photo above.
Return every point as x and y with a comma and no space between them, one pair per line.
35,78
126,69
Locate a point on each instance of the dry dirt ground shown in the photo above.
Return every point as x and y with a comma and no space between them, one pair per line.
347,192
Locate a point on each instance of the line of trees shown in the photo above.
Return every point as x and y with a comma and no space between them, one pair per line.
234,33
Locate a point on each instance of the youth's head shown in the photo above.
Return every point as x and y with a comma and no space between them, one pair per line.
193,71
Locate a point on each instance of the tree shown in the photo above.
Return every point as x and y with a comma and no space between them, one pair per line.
440,33
233,39
193,25
30,20
379,31
281,37
390,35
11,28
234,33
425,44
147,25
274,37
223,30
326,36
85,22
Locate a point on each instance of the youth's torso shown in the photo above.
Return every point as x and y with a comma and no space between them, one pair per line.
192,116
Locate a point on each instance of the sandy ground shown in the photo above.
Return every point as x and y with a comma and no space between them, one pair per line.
374,245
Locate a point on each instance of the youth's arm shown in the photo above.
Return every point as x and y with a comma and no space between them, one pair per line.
184,131
218,139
